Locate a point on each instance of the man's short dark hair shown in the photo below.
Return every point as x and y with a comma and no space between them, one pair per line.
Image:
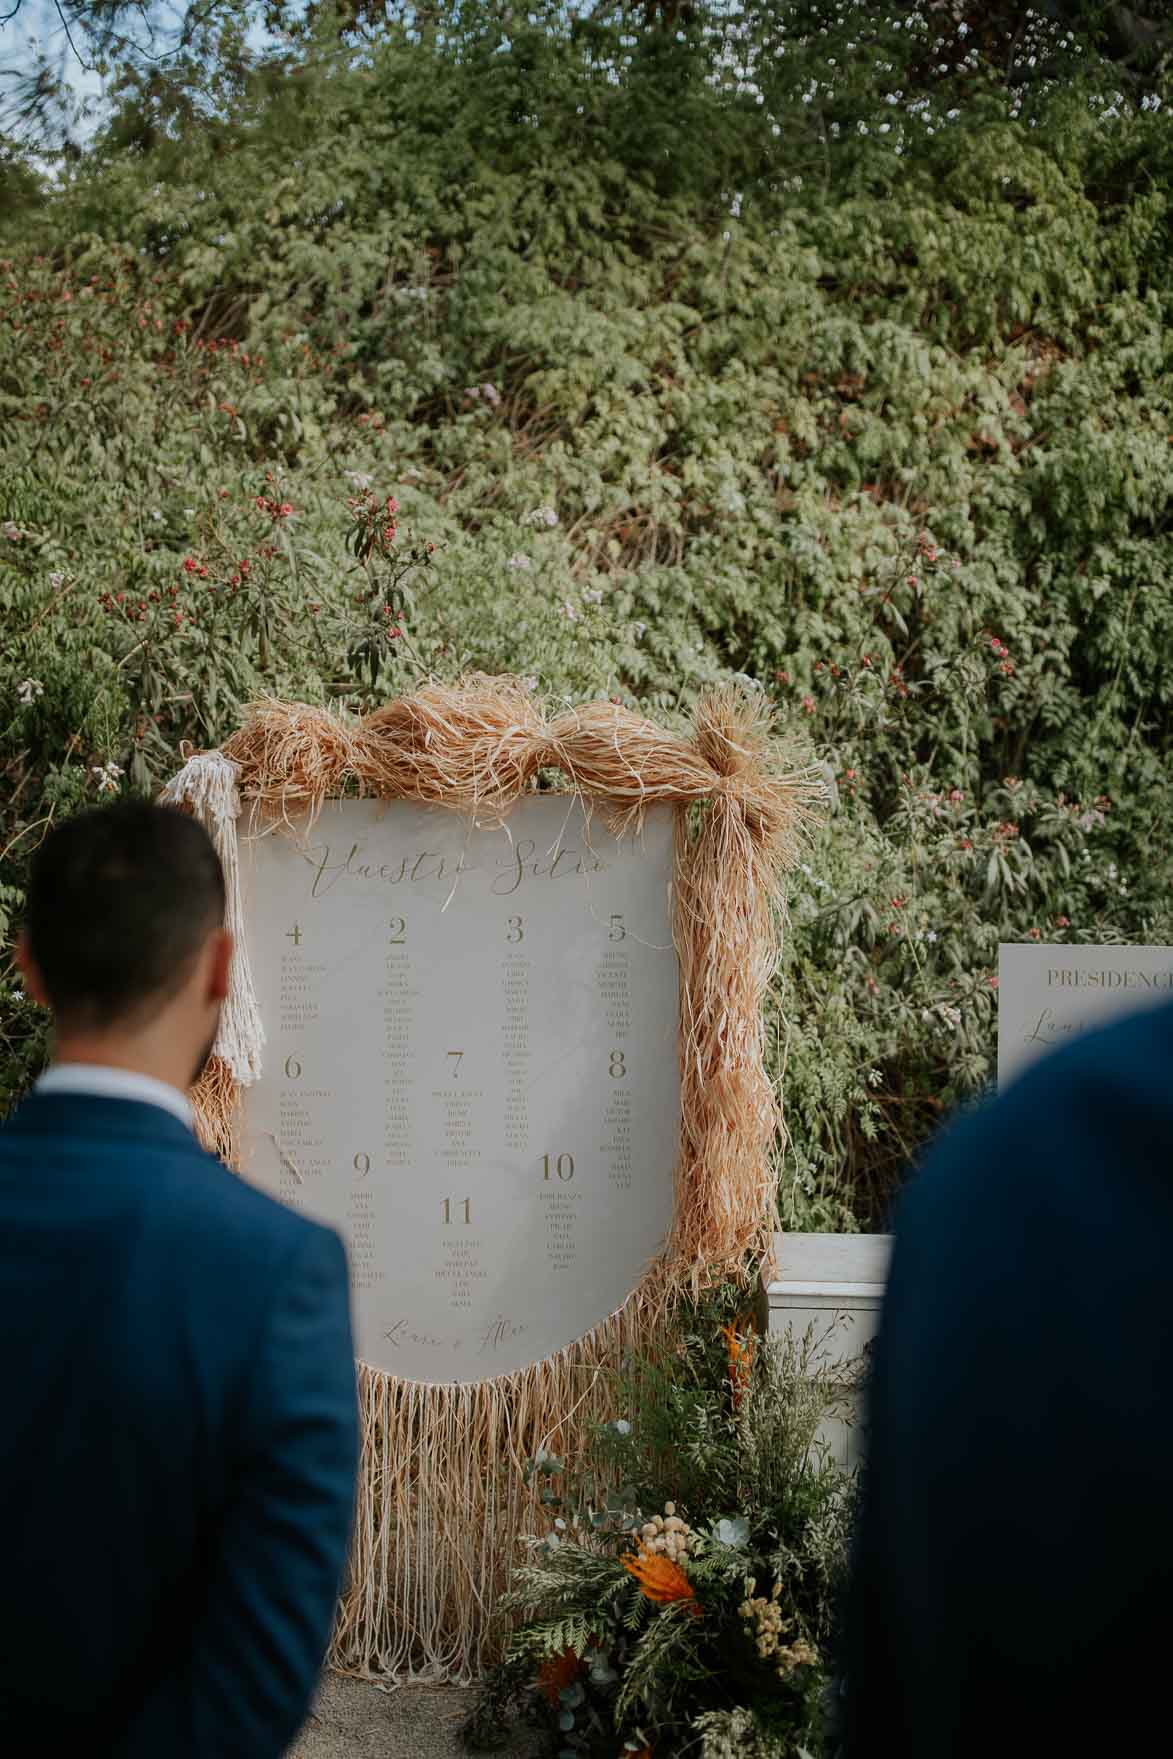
121,899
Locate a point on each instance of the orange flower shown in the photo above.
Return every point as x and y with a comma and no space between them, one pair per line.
557,1673
740,1345
661,1580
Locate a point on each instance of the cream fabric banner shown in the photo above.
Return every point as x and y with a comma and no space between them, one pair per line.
471,1068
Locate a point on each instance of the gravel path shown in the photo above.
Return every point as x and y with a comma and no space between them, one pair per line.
354,1720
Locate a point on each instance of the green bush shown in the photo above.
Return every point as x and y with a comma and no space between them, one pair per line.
679,385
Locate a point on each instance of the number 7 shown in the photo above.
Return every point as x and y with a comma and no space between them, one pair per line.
458,1055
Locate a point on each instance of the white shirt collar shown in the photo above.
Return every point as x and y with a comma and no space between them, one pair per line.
104,1083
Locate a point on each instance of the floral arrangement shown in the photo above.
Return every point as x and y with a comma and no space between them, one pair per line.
686,1598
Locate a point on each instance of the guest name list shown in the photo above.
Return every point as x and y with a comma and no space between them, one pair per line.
471,1068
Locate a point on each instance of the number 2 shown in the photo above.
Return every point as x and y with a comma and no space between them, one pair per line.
398,931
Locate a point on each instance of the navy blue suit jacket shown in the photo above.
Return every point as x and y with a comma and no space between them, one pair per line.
1014,1573
177,1442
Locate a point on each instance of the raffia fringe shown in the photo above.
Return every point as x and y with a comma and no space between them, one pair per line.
441,1502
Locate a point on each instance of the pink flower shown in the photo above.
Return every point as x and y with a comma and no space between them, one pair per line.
808,705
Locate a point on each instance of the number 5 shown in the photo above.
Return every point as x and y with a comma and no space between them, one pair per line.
618,932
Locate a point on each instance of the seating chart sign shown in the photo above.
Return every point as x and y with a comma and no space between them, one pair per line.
471,1067
1049,995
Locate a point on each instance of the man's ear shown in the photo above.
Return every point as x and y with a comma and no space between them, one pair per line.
219,965
34,983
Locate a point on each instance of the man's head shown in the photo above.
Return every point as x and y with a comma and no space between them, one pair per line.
124,938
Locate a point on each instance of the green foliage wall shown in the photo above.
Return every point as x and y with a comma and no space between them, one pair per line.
678,385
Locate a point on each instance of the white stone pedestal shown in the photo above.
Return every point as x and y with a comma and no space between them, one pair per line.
833,1283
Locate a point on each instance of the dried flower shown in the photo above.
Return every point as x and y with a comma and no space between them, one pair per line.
557,1673
28,690
666,1535
767,1628
739,1345
108,775
661,1580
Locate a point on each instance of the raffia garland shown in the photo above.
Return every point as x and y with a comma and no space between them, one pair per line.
441,1503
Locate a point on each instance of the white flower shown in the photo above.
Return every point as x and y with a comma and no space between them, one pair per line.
491,394
963,30
361,479
29,689
542,516
107,774
592,596
189,512
56,581
519,561
567,610
530,684
155,513
639,630
12,531
875,1078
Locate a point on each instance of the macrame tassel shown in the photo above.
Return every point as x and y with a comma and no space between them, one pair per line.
207,787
